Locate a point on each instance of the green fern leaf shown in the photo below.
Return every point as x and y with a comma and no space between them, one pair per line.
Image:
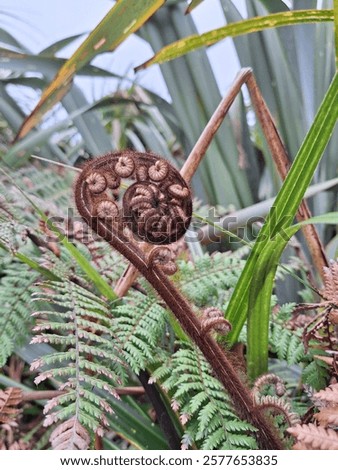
139,326
240,441
210,279
204,405
81,326
295,352
286,344
315,374
16,286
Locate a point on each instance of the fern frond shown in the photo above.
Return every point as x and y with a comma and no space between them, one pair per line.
12,207
210,279
204,406
328,396
109,263
8,235
331,282
55,195
327,416
315,437
70,435
16,287
284,312
9,400
139,325
81,326
315,374
286,344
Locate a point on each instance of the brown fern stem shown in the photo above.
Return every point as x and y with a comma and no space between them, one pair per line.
283,163
160,209
217,358
215,355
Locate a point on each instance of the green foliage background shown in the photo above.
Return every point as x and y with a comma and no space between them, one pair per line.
113,341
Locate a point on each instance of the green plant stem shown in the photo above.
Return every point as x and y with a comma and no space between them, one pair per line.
243,301
32,264
336,30
286,203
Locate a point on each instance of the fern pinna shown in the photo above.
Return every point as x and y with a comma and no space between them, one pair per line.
79,326
203,406
16,287
286,343
138,327
98,345
209,279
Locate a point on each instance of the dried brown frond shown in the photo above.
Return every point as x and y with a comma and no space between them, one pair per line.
330,292
9,400
298,321
9,438
333,316
315,437
19,445
326,397
327,416
300,446
70,435
279,406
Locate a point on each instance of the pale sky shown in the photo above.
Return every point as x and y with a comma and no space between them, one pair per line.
38,23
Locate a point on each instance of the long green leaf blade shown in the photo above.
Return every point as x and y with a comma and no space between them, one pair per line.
259,307
133,427
336,29
252,25
126,17
286,203
192,5
260,295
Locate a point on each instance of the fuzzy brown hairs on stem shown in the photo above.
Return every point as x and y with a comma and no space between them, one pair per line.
157,209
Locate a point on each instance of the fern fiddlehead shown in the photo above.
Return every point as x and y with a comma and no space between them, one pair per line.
157,209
